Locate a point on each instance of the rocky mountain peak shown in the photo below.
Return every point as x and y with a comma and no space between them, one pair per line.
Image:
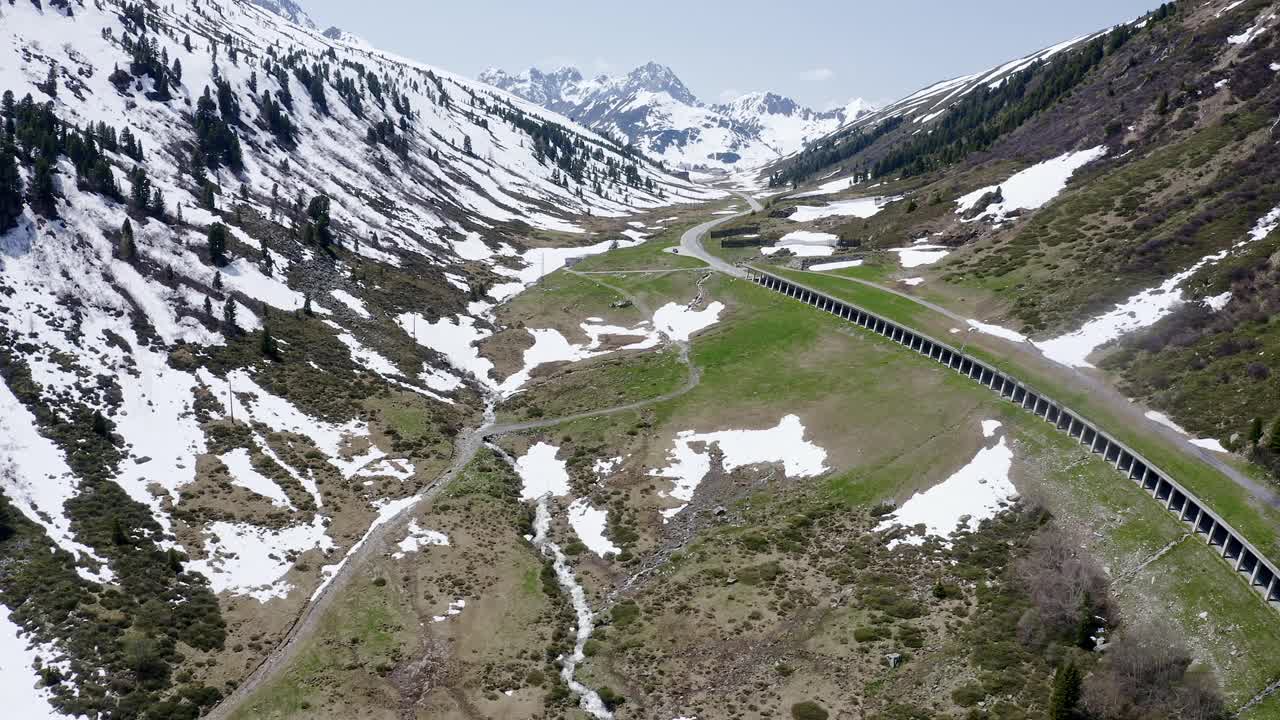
289,10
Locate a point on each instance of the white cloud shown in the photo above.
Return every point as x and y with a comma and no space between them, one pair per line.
820,74
729,94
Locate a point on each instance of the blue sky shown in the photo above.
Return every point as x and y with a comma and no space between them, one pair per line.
820,52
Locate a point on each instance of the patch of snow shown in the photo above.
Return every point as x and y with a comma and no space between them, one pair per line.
37,480
244,559
472,248
860,207
455,608
997,331
820,267
785,443
604,467
679,322
541,473
805,243
18,679
399,468
1209,444
1164,420
417,538
246,476
920,255
912,281
589,524
1248,36
1033,187
353,303
974,493
1144,308
828,188
1218,302
455,339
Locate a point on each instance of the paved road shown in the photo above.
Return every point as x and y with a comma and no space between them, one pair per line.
691,241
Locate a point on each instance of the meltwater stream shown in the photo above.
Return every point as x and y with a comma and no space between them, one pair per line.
588,699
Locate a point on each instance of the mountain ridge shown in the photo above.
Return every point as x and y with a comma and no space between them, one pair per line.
651,107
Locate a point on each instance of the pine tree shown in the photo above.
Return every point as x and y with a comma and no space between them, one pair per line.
229,314
306,304
217,281
1274,443
218,244
98,423
127,249
269,347
1162,105
50,85
118,534
41,190
157,203
139,188
1255,432
1066,692
10,188
318,213
208,307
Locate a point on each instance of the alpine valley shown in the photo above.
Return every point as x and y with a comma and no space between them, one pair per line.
334,384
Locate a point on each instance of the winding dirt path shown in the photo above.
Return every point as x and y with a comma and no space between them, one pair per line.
465,447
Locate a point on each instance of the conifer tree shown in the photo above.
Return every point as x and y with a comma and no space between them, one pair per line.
208,307
306,304
127,249
217,281
1066,692
99,424
1274,443
318,214
139,188
229,314
269,346
41,190
10,187
1255,432
218,244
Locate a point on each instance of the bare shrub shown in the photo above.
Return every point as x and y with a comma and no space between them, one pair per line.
1145,675
1066,587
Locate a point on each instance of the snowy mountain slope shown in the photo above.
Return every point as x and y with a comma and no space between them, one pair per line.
652,108
869,133
210,219
289,10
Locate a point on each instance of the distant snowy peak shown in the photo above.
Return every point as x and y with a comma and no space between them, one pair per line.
289,10
652,108
342,36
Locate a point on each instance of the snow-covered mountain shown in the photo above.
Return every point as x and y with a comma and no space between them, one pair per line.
652,108
289,10
230,247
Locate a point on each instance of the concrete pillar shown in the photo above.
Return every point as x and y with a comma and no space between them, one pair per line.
1271,588
1253,577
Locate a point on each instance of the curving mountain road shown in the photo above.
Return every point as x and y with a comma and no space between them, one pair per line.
691,241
